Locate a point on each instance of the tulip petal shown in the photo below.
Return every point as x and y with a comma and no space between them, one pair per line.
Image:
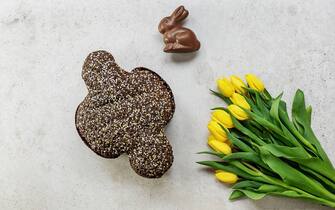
225,87
223,118
237,112
226,177
239,100
238,84
219,146
254,82
218,133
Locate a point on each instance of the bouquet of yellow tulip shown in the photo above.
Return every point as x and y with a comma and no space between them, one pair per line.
264,152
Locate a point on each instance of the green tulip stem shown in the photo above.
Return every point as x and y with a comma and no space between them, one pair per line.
278,182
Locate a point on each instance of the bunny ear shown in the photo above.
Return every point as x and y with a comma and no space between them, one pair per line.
177,11
179,14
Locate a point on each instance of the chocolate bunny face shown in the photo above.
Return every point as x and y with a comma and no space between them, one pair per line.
178,38
126,112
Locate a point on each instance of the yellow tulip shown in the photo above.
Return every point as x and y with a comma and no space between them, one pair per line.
254,82
237,112
223,117
225,87
238,84
218,133
211,138
219,146
226,177
239,100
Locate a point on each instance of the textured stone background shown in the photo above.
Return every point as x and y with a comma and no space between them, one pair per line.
44,164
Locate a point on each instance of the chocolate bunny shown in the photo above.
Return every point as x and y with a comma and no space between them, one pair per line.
177,38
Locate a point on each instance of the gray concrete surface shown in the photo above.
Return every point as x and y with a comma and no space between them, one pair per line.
44,164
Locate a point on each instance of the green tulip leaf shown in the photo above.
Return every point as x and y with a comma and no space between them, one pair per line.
279,129
247,184
236,194
267,188
300,156
253,106
252,194
294,177
246,131
246,156
309,115
219,108
314,199
258,186
301,117
293,133
262,106
251,126
218,154
287,152
319,166
299,109
289,193
274,111
238,143
330,185
265,123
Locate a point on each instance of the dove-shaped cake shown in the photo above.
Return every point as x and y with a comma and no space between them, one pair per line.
126,112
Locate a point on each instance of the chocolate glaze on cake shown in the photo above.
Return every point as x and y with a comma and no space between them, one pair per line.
126,112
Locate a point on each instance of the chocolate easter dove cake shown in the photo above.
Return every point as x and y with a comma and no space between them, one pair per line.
126,112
